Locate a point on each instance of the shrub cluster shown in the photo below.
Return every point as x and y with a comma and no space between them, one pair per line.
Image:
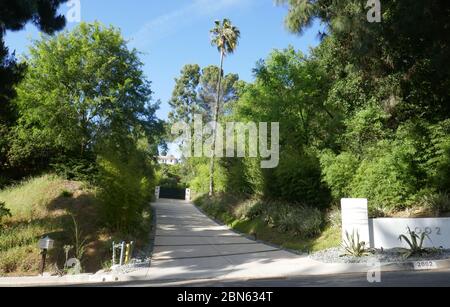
304,221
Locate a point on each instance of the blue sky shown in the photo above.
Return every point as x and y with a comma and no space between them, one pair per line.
173,33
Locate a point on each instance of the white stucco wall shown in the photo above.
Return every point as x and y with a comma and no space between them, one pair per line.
385,232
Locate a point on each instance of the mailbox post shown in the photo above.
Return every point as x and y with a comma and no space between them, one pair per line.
45,245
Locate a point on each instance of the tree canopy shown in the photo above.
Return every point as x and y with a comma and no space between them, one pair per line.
14,15
82,90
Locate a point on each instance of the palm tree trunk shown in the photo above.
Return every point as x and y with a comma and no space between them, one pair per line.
216,120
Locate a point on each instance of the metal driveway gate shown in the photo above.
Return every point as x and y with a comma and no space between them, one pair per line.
172,193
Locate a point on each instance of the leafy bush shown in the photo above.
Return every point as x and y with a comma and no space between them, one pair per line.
387,177
334,218
125,189
4,212
3,182
300,220
248,209
338,172
297,219
299,178
19,260
439,165
365,129
66,194
293,218
217,206
437,203
76,169
200,184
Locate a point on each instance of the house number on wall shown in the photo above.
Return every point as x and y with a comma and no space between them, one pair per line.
428,230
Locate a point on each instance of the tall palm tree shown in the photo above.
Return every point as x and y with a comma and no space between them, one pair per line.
225,36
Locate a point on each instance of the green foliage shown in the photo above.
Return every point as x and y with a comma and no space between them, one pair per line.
438,165
126,185
195,92
14,16
93,91
338,172
353,246
286,76
387,176
4,212
365,129
184,101
66,194
301,220
79,241
295,219
437,204
407,53
415,243
171,176
225,36
200,184
298,178
351,124
76,169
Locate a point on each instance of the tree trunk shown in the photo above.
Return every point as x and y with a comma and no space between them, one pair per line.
216,119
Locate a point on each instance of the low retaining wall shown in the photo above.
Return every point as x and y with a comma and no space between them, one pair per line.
385,232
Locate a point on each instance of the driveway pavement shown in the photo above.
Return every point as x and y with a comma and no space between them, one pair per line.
189,245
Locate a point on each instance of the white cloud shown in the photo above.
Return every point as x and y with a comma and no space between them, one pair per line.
169,23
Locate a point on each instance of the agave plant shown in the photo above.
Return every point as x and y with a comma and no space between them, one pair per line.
354,247
415,243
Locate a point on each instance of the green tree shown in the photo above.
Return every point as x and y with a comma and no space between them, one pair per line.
184,101
226,37
292,89
14,15
406,57
209,83
195,92
82,89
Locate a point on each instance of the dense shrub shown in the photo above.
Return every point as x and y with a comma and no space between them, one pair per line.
241,176
298,219
437,204
19,259
298,178
338,172
387,177
3,182
365,129
200,184
249,209
4,212
76,169
439,165
126,186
